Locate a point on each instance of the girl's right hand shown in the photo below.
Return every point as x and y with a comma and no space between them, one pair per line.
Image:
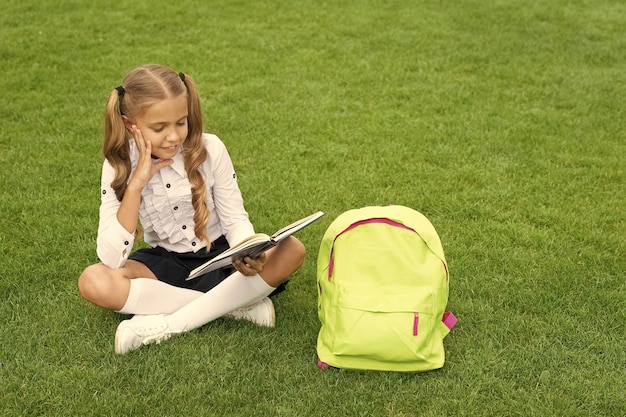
146,166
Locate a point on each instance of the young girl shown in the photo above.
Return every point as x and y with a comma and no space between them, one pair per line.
163,171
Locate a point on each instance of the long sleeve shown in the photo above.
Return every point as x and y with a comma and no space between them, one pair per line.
229,206
114,243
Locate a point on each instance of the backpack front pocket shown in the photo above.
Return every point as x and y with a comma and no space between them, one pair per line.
390,328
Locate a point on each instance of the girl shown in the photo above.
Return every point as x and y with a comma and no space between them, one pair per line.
163,171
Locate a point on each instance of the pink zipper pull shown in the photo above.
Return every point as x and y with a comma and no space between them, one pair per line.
416,320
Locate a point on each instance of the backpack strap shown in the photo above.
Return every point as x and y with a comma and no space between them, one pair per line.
322,365
449,321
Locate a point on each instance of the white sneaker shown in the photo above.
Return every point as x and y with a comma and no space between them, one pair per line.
261,313
141,330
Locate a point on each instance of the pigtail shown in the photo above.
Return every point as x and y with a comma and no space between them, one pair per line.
115,148
195,154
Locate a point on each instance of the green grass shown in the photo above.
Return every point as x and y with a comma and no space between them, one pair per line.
501,121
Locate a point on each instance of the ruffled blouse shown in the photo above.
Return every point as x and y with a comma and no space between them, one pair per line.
166,212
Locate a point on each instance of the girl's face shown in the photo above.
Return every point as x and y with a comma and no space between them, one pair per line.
164,125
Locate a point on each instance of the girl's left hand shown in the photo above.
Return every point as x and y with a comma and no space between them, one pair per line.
248,266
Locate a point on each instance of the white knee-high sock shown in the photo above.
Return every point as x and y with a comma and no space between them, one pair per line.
234,292
150,296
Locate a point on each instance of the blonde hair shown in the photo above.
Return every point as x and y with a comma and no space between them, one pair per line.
142,87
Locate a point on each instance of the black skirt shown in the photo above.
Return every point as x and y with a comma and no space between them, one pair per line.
173,267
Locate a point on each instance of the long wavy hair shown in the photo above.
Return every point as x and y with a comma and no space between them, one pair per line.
141,88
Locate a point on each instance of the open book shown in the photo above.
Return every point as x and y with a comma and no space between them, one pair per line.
253,246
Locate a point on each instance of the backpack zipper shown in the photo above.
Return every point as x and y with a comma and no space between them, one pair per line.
383,220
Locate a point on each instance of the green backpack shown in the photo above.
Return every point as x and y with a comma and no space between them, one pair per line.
382,292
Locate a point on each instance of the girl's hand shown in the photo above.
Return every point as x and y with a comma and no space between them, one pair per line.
146,167
248,266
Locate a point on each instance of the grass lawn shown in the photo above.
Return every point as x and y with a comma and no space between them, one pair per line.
501,121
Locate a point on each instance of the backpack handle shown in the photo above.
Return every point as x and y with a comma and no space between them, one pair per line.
383,220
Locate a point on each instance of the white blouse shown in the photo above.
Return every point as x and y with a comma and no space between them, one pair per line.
166,212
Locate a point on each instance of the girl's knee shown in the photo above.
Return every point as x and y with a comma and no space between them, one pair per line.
105,287
299,251
88,283
295,251
97,284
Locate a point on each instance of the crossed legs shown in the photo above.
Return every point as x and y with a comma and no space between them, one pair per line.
133,289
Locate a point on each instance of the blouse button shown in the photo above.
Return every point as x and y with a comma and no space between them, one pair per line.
104,191
184,227
168,185
193,243
126,242
175,207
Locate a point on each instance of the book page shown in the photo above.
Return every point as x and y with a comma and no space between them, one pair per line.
296,226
